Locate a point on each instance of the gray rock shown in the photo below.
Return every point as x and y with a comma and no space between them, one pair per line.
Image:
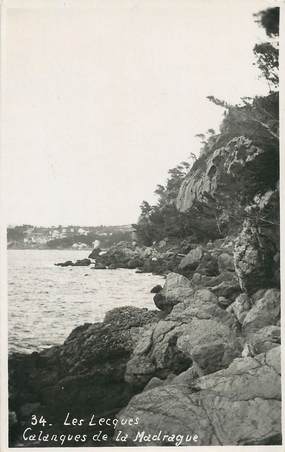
99,266
228,289
65,264
191,261
240,405
226,262
253,259
240,307
208,265
154,383
196,331
156,289
264,312
262,341
176,289
82,263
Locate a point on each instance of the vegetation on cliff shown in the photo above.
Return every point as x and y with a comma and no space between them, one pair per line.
244,151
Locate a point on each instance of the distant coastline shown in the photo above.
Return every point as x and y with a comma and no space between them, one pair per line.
66,237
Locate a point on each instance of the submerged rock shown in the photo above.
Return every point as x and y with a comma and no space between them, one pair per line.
78,263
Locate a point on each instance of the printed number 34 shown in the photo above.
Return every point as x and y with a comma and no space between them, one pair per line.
36,421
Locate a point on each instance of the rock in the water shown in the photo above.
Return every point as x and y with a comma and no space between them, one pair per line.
65,264
95,253
78,263
99,266
82,263
240,405
156,289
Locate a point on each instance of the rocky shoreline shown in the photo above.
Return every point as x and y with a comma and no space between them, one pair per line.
208,358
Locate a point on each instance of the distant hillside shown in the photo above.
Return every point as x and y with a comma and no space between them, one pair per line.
61,237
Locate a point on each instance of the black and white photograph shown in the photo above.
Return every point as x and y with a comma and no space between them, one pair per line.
140,224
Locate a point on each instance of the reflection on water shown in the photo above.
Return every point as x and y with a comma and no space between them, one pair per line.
46,302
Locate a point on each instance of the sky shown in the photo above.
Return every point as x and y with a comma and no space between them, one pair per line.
101,98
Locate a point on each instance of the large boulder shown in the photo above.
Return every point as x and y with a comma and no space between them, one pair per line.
121,255
192,259
176,289
196,331
263,340
265,311
199,260
226,262
240,307
240,405
224,285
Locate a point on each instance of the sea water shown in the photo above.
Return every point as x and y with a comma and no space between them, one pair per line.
46,302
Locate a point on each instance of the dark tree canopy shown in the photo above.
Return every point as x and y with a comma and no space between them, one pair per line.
269,20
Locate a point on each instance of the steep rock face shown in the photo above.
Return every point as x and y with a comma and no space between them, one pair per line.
256,253
240,167
240,405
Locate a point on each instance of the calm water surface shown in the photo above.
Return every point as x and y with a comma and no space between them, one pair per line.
46,302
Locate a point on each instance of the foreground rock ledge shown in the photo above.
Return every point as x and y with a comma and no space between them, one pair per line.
240,405
83,375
